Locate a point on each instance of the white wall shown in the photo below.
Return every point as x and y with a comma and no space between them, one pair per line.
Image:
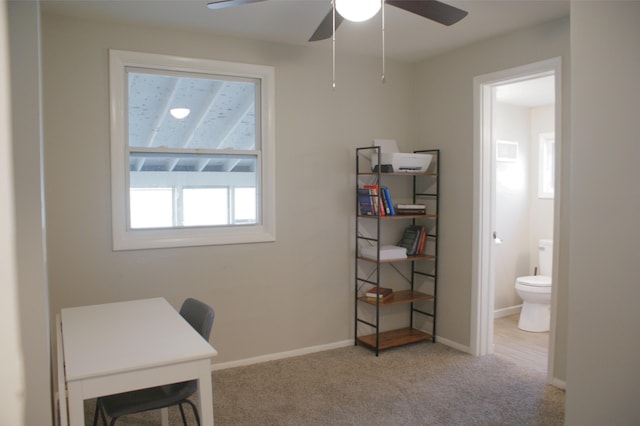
541,209
270,298
33,297
512,218
603,377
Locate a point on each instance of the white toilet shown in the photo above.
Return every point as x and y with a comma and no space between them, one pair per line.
535,292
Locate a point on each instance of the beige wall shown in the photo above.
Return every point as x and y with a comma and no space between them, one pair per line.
444,109
12,380
603,375
269,298
33,297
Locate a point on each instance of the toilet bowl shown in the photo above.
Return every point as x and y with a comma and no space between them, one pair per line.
535,292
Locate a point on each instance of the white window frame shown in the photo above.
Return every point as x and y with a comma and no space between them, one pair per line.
546,155
132,239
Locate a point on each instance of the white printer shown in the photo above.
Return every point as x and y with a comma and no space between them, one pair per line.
392,161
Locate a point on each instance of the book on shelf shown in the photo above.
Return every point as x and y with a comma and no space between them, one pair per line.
365,202
411,238
388,200
382,299
381,293
385,202
423,239
387,252
377,199
414,209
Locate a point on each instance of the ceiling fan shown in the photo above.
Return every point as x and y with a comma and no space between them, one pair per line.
431,9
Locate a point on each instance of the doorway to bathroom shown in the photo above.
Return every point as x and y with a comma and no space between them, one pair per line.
516,144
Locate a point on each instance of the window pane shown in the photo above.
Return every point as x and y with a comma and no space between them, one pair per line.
201,183
546,166
205,206
244,210
151,207
212,113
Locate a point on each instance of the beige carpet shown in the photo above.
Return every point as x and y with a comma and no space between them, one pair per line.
421,384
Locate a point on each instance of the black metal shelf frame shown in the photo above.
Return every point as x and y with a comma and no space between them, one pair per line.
433,235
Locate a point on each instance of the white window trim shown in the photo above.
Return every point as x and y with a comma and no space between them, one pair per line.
127,239
547,139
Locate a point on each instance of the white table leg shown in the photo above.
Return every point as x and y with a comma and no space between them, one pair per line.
76,404
164,416
205,394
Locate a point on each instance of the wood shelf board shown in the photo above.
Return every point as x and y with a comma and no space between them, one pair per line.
399,216
396,174
395,338
407,259
399,297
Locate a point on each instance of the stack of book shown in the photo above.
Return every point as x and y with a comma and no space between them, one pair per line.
386,252
374,201
413,239
365,202
412,209
380,293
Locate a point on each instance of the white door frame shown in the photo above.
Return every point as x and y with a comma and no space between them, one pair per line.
482,294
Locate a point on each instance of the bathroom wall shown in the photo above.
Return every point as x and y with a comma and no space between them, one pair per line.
512,218
540,209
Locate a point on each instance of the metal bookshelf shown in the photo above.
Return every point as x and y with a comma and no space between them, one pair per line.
418,292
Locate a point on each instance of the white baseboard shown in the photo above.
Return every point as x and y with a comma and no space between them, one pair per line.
281,355
314,349
506,312
453,344
560,384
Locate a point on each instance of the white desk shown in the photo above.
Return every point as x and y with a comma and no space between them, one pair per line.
118,347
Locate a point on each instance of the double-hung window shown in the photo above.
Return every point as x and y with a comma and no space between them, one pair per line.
192,151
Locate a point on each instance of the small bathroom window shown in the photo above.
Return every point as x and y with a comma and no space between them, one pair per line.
546,165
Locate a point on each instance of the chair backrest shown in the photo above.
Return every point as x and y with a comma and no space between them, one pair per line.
199,315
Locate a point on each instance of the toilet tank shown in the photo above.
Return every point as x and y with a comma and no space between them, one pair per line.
545,257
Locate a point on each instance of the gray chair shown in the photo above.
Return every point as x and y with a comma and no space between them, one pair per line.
200,316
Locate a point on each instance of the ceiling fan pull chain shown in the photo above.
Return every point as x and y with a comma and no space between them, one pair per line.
333,43
383,47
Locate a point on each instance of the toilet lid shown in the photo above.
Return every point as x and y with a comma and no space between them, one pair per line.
535,281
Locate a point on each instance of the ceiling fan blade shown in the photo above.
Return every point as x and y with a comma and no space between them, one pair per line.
431,9
325,29
221,4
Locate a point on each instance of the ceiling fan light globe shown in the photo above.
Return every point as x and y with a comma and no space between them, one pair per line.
358,10
179,113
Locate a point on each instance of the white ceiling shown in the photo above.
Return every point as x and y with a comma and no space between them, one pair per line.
409,37
528,93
